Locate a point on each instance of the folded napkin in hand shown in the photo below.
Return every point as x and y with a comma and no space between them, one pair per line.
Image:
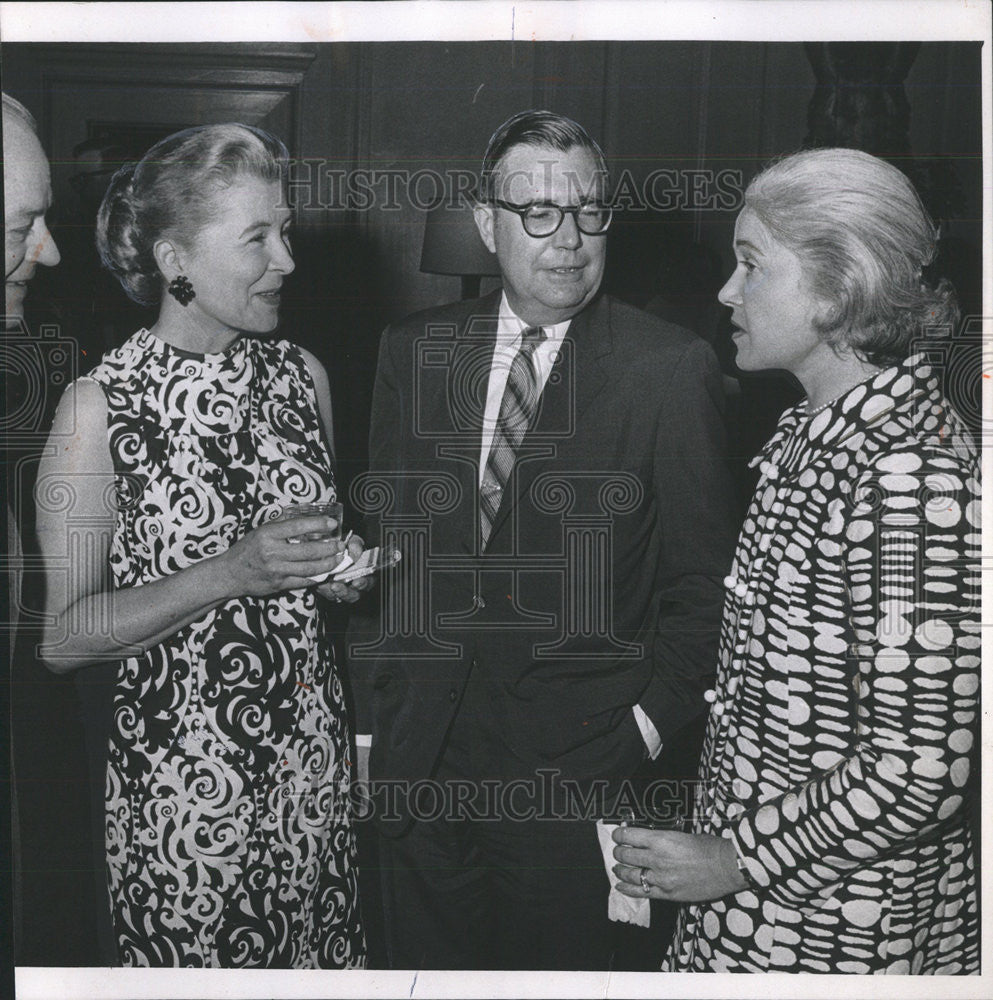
628,909
346,561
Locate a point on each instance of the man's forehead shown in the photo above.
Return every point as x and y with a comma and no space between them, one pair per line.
19,213
546,172
28,199
26,175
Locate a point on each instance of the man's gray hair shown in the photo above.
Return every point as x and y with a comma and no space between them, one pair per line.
17,110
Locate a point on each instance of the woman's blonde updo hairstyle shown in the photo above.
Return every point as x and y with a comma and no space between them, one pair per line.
170,194
865,243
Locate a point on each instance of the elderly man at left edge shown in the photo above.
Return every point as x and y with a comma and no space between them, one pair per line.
555,615
27,195
54,888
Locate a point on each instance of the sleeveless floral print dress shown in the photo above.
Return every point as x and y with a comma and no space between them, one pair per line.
228,830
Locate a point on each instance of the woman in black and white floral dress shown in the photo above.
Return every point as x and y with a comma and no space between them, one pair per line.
228,827
831,832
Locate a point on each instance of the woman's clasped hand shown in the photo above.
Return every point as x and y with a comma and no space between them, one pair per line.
679,867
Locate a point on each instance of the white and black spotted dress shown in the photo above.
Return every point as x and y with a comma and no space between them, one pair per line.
844,714
228,832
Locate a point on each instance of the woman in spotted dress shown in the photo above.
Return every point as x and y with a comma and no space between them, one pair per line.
831,829
228,832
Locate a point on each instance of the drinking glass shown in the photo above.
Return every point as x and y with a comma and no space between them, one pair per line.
291,511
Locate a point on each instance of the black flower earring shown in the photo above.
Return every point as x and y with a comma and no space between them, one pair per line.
181,290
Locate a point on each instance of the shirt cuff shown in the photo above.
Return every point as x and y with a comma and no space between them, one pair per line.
363,740
648,732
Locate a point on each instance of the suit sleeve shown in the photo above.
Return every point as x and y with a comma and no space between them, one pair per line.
385,456
913,573
697,526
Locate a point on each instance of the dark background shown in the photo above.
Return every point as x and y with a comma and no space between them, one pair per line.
679,106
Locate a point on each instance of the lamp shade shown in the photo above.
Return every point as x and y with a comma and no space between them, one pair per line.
452,244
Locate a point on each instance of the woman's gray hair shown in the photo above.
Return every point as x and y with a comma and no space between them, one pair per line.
171,193
864,239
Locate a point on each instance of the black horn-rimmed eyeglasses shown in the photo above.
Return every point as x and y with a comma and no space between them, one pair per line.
542,218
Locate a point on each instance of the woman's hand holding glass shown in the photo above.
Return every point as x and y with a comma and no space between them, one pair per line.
680,867
272,557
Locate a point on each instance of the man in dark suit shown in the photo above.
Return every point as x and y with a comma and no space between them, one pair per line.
549,462
56,920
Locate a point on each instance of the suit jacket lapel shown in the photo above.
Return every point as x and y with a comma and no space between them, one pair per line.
591,337
465,400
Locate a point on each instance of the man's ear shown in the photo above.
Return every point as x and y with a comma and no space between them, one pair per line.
168,256
483,215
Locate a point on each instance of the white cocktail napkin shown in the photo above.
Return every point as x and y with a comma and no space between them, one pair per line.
628,909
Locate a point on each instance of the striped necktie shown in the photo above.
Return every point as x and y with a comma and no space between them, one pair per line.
517,410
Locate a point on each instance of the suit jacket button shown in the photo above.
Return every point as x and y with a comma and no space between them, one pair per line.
453,695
